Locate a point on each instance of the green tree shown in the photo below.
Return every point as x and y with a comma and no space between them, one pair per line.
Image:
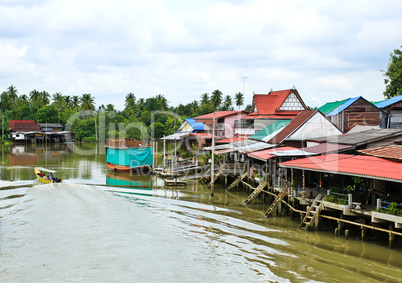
87,102
393,75
84,128
130,105
58,100
13,93
33,96
227,103
157,130
205,98
239,97
43,99
216,98
48,114
5,101
75,102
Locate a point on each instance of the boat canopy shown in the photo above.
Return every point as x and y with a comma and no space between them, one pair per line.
132,157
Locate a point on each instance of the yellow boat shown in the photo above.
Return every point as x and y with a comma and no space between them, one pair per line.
41,177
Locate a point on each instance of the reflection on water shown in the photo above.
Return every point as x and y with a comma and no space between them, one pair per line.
129,180
100,226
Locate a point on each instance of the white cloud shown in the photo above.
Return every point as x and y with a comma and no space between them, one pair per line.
329,49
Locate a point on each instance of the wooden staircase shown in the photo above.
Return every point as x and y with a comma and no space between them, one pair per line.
216,177
273,206
313,213
235,182
256,192
207,175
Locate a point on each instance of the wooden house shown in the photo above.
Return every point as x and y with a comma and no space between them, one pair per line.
354,111
393,107
266,109
224,122
22,130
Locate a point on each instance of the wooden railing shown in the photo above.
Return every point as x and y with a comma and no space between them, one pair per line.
125,142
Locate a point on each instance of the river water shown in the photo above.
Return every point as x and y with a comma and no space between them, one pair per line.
103,227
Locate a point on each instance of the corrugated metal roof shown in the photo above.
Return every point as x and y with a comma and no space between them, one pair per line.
269,104
327,148
198,126
219,114
254,147
342,107
388,102
266,154
270,130
360,138
24,126
354,165
389,152
176,136
232,139
330,106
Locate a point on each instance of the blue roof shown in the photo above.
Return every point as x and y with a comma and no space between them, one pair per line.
389,102
343,106
197,126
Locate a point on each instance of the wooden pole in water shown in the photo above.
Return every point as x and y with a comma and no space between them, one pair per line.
164,153
304,185
213,150
156,152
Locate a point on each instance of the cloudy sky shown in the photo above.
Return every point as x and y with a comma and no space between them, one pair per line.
329,50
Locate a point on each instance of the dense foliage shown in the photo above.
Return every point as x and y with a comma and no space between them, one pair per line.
393,74
150,117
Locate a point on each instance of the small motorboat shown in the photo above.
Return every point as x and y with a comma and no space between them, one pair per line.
46,179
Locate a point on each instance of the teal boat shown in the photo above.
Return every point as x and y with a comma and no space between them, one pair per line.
129,155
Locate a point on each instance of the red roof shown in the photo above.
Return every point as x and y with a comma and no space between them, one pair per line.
390,152
355,165
23,126
232,139
218,114
266,154
270,104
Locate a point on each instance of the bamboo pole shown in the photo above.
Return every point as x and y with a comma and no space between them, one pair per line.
213,151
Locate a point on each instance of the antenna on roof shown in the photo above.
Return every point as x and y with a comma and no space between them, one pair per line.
293,87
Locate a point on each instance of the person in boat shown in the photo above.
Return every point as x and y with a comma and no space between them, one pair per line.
51,177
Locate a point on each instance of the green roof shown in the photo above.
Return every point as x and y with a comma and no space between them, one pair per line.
270,129
330,106
376,102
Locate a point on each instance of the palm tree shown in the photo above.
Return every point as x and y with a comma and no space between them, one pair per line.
87,102
130,99
58,100
204,98
162,101
21,100
141,104
68,102
43,99
239,99
216,98
129,105
228,102
5,101
75,102
33,96
13,93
